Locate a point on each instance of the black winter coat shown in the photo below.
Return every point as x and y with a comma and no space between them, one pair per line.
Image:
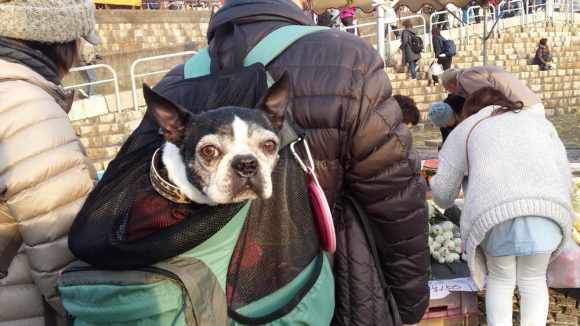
342,99
439,45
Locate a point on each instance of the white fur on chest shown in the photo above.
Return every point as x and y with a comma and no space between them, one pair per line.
176,172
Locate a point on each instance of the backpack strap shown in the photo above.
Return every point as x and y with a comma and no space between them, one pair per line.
370,231
265,51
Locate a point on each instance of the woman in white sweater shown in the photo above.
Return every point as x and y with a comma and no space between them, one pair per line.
517,211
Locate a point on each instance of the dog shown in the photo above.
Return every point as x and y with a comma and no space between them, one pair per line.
222,156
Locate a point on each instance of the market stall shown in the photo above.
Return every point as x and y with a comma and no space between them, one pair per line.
453,293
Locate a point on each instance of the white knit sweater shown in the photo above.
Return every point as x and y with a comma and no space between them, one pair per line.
517,167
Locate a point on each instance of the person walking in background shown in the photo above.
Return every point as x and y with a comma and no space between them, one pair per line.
440,49
411,54
347,16
45,174
446,114
517,211
476,16
345,86
543,56
89,57
330,18
464,82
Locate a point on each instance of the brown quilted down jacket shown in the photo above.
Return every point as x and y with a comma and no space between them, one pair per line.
342,99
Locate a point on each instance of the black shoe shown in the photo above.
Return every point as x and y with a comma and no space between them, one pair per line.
83,92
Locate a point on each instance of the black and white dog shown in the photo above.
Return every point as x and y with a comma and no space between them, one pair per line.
225,155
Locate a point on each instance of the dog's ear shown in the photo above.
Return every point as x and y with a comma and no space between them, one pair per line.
168,115
276,100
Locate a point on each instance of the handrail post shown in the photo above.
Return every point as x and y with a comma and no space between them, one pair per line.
157,57
133,86
115,80
381,31
117,97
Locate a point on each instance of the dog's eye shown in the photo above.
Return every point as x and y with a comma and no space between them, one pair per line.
209,151
269,146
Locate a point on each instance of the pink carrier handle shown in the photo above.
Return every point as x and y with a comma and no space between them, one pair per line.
321,210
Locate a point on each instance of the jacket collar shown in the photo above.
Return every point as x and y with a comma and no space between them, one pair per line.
15,71
249,11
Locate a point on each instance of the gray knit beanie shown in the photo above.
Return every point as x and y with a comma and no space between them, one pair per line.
48,21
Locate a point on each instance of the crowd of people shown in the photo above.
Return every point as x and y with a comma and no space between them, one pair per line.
498,148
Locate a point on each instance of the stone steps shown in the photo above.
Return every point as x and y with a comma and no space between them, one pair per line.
560,89
101,156
128,30
106,139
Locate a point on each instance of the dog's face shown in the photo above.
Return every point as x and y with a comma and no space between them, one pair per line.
225,155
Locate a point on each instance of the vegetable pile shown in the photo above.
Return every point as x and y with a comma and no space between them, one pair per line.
444,241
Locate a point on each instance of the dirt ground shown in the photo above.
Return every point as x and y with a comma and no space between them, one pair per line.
568,127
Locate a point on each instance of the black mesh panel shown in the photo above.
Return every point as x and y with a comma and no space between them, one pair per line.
278,240
120,225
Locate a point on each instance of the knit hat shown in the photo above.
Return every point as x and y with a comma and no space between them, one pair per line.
440,113
48,21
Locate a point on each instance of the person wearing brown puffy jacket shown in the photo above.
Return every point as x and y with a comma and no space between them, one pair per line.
543,57
342,99
45,174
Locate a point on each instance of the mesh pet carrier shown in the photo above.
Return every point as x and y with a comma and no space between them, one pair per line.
275,261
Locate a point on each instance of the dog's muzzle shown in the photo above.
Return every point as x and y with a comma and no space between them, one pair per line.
245,166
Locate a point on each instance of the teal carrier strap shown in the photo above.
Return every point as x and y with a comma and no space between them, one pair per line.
265,51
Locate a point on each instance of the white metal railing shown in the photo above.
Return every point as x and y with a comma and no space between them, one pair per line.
535,10
574,7
515,7
423,26
472,16
114,80
357,26
533,6
153,58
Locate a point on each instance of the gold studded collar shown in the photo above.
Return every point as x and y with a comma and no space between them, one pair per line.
164,187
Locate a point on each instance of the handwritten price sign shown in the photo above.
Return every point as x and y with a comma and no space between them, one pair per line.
442,288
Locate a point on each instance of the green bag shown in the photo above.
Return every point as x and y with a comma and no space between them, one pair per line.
190,289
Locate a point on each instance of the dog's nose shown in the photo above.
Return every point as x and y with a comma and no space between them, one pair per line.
245,165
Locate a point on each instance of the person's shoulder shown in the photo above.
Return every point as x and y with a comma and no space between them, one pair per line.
174,75
338,42
28,91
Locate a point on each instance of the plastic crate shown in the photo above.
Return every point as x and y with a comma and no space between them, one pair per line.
451,321
456,304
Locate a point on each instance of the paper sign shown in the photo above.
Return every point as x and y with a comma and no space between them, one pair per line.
442,288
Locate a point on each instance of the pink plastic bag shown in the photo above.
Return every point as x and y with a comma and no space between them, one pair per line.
564,271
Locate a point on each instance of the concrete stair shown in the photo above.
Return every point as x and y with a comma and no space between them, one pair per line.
103,135
514,51
127,30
